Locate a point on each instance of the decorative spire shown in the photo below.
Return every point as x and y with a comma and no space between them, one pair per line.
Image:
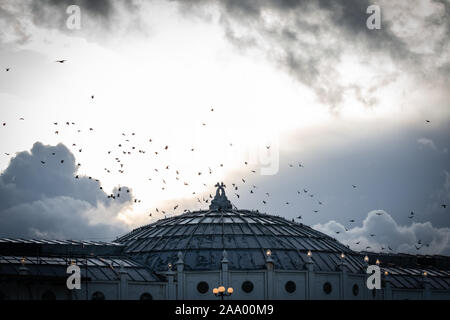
224,256
180,258
220,201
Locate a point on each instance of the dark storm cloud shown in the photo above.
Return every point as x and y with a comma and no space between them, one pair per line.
52,13
307,39
310,37
96,16
45,200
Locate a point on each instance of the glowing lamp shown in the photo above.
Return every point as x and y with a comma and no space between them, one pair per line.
221,289
309,253
215,291
230,290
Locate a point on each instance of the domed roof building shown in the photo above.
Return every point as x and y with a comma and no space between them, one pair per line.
259,256
201,237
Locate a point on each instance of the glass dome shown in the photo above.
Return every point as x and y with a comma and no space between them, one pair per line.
199,239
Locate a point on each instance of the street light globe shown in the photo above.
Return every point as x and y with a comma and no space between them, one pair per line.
230,290
215,291
366,259
386,273
309,253
377,262
268,252
342,255
221,289
425,273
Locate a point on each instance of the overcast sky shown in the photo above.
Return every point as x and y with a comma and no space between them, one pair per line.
235,90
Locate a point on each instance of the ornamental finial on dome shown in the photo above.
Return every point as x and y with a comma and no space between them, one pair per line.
220,201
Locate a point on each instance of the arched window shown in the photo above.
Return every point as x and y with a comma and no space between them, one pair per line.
290,286
97,295
48,295
355,289
327,287
146,296
247,286
202,287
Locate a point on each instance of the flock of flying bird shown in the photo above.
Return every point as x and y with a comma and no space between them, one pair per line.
125,150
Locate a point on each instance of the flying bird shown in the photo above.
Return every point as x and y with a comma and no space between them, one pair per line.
60,61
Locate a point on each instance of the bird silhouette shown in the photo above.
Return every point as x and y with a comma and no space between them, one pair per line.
60,61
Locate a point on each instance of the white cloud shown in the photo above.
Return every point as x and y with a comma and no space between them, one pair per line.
427,143
41,198
387,233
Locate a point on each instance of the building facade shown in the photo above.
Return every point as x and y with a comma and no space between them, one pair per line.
260,256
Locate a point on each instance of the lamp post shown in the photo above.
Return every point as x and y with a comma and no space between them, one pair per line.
221,292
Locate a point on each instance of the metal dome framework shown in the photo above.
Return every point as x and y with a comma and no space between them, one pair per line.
202,236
